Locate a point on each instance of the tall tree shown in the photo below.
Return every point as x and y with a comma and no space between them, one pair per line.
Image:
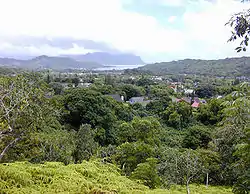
85,143
180,167
24,104
233,139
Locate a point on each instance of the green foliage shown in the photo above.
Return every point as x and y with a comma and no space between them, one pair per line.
109,80
172,142
125,133
197,136
211,113
49,143
144,81
160,91
145,129
54,145
205,91
85,144
57,87
161,100
129,155
180,166
211,162
171,137
87,177
233,139
132,91
178,115
24,107
86,106
240,29
89,107
10,71
75,81
147,172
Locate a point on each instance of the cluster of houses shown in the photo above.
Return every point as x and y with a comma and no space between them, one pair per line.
194,102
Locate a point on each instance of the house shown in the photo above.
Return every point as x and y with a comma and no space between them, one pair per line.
176,99
136,100
117,97
187,99
219,97
66,85
84,85
156,78
176,83
188,91
196,99
184,99
197,102
195,105
140,100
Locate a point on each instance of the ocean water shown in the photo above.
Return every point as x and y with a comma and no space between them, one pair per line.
117,67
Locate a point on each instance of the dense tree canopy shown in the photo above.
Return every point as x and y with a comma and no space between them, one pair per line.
24,108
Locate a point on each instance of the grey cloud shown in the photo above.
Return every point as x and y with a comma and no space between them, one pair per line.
59,42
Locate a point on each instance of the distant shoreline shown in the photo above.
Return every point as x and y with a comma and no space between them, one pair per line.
116,67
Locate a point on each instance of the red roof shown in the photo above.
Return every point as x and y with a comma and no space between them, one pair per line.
195,104
178,100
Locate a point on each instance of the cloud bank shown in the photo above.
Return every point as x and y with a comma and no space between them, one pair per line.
80,26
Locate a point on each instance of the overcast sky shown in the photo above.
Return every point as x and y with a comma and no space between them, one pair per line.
157,30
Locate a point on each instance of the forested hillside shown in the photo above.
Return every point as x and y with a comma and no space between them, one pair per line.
223,67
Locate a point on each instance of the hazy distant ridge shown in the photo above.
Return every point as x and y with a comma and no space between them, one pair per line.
86,61
108,58
46,62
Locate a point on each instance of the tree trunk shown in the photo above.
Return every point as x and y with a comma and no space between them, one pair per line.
187,187
207,181
8,147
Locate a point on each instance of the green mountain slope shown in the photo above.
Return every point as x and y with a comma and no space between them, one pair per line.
221,67
87,177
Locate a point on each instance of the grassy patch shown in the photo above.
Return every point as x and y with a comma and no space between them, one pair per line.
88,177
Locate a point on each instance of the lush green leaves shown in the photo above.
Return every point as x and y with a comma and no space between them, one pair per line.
147,173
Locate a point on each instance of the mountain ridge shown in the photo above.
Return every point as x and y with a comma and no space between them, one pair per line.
105,58
237,66
71,61
48,62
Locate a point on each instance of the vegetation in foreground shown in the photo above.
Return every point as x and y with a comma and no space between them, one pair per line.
87,177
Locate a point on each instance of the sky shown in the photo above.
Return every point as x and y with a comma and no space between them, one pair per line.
156,30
